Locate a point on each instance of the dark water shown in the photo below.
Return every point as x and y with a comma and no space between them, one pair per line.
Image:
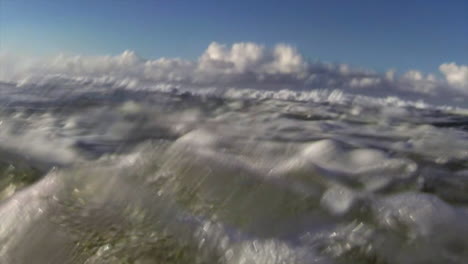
172,177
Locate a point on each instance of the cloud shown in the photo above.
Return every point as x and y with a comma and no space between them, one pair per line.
456,75
241,65
364,82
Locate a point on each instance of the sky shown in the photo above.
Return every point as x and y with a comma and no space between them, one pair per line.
373,34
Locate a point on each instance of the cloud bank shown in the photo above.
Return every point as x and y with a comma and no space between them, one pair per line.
241,65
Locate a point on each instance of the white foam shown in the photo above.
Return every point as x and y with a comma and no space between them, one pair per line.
339,200
271,252
37,142
423,215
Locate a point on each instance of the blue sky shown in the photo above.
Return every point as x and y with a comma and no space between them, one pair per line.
402,35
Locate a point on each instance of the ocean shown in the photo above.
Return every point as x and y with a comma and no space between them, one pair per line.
235,176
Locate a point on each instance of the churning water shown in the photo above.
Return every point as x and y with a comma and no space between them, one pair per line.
241,177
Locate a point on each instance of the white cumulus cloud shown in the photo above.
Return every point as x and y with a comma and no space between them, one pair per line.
241,65
456,75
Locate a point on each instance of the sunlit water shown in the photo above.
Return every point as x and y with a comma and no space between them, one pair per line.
239,177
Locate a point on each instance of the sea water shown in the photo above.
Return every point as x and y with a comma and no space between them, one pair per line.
239,176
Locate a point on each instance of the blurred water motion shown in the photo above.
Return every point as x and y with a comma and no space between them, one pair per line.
173,177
